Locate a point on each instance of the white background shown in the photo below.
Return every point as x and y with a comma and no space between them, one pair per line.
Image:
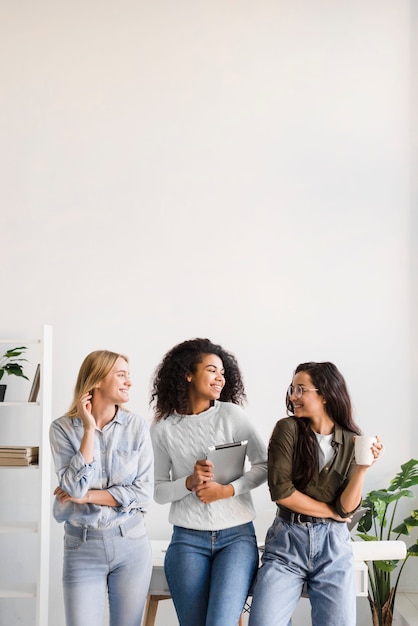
238,170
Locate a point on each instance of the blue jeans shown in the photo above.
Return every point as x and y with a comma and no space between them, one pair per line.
117,561
319,554
210,572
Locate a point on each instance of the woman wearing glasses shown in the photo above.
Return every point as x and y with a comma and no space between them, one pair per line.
317,486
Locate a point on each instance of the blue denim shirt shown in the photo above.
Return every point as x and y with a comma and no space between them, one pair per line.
123,464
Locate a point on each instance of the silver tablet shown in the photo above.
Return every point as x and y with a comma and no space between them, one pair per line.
228,461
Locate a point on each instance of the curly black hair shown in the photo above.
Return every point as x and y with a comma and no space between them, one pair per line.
169,392
331,385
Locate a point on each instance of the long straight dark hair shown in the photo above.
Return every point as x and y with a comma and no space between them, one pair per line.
331,386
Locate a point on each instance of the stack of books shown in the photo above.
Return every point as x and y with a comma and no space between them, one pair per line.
19,455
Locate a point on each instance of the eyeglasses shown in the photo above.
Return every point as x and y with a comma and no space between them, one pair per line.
299,390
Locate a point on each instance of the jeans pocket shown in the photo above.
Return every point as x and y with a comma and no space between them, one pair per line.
273,530
341,530
72,543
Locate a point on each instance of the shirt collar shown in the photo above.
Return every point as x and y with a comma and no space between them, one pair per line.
121,416
338,434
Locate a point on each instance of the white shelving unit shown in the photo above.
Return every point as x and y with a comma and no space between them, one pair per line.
25,493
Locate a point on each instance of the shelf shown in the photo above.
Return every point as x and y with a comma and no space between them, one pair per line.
24,547
8,528
21,403
17,342
19,591
19,467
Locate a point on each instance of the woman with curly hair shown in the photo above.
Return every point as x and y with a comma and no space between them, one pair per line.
212,557
316,484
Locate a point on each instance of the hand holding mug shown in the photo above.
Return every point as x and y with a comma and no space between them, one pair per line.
367,449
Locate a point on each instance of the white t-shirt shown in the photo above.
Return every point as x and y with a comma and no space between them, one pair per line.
326,451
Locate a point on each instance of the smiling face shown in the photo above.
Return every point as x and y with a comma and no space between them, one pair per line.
206,384
114,388
311,403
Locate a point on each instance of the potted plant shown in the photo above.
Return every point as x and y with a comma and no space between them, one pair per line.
377,524
11,364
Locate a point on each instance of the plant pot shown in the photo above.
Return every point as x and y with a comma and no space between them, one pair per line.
2,392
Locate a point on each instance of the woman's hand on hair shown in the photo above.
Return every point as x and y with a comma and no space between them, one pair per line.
84,407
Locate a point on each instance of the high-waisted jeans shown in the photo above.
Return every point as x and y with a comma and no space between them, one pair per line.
115,560
319,554
210,572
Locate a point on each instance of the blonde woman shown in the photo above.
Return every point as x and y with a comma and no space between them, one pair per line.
104,463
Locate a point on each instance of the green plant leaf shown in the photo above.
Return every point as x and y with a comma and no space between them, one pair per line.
402,529
366,521
386,497
381,506
14,352
386,566
407,477
407,524
366,537
413,550
413,518
10,362
15,369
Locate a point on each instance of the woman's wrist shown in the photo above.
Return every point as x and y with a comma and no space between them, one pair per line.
229,491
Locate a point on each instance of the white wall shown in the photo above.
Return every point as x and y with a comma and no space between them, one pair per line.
236,170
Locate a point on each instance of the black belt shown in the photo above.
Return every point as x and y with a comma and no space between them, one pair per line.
300,518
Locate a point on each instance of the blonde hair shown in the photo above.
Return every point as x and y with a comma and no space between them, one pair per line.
95,367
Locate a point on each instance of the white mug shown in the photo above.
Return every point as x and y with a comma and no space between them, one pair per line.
363,449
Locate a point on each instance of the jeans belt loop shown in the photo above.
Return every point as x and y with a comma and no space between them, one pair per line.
84,538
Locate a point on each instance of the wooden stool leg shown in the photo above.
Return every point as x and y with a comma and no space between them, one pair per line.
151,607
150,611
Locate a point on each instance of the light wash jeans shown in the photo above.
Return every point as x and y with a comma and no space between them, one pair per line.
117,561
210,572
321,555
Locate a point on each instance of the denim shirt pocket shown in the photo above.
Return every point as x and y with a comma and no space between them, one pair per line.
124,467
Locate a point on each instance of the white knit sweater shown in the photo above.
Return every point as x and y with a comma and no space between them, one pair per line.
180,440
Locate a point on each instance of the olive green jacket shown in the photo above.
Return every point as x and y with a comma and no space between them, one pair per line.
325,486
